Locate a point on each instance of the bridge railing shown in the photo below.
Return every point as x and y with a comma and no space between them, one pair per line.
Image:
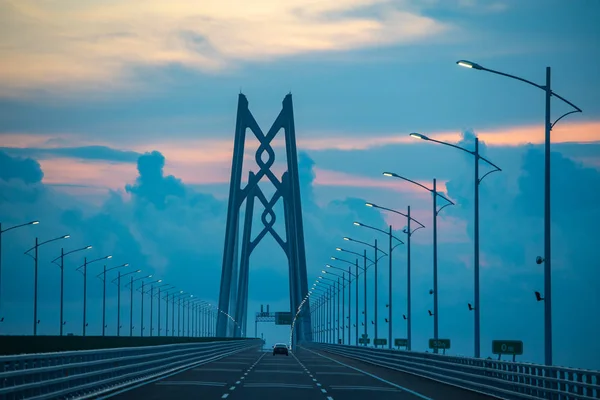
88,373
505,379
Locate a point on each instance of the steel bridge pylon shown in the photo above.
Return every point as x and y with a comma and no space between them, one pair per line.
233,296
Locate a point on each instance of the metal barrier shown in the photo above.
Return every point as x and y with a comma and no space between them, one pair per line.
89,373
504,379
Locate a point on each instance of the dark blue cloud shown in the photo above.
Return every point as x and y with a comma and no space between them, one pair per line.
25,169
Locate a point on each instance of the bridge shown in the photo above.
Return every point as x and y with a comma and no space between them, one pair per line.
197,349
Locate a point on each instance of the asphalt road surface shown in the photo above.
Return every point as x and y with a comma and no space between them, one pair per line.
304,375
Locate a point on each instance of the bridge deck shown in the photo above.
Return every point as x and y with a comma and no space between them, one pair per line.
305,375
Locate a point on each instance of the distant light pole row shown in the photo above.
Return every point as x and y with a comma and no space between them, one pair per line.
199,306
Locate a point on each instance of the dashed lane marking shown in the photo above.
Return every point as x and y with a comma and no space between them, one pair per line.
373,376
225,396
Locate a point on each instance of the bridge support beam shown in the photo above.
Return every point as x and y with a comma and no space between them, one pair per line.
233,296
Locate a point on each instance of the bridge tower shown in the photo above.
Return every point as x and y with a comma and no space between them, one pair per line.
233,296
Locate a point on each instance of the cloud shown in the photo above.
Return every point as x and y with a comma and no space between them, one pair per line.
101,43
103,153
24,169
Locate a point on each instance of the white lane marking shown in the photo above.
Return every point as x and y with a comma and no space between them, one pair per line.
314,380
225,396
237,383
231,388
323,390
243,377
329,398
318,384
374,376
245,373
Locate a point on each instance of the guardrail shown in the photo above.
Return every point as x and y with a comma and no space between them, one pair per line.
89,373
504,379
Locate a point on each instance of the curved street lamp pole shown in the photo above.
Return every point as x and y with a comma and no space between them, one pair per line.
548,125
1,232
103,275
409,234
62,280
84,266
35,277
435,194
390,250
159,307
351,277
477,180
130,284
142,293
118,279
375,288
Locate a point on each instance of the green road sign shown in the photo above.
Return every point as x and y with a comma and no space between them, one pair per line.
362,340
514,347
283,318
401,342
439,344
380,342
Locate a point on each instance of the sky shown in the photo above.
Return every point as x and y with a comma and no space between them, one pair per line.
117,122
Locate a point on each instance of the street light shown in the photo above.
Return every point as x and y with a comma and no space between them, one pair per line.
118,279
1,232
62,281
409,234
435,193
151,291
35,278
390,249
477,180
141,290
84,266
130,284
548,125
375,288
355,276
103,275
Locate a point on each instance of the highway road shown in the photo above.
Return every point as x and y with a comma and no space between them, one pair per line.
304,375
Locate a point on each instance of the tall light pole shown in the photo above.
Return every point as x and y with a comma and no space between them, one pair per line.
62,281
142,293
349,280
363,269
35,278
103,275
158,305
84,266
344,281
408,233
375,291
435,194
1,232
118,280
390,250
130,284
477,180
548,125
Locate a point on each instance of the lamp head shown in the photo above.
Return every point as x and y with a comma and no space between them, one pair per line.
34,222
88,247
108,257
369,204
328,266
320,277
323,272
66,236
159,281
139,270
347,238
389,174
419,136
469,64
357,223
149,276
338,249
126,265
